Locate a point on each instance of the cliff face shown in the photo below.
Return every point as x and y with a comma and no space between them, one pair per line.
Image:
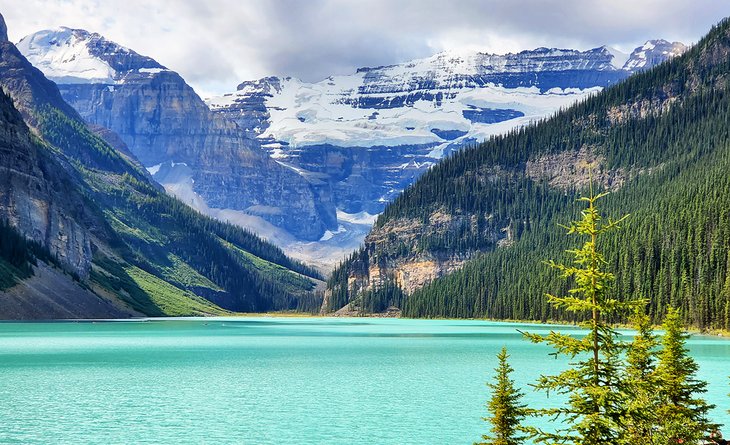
37,199
166,125
196,154
37,194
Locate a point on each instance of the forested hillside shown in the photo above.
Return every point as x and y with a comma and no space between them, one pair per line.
81,206
488,216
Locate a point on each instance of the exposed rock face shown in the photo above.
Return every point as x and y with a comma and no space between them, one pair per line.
37,195
3,30
165,124
392,254
574,170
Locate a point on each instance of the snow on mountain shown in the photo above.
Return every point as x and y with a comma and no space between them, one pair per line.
619,58
424,108
76,56
350,143
372,133
444,99
197,155
652,53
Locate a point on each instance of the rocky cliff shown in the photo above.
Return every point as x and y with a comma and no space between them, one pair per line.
201,157
37,195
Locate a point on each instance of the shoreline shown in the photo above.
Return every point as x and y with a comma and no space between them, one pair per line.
721,333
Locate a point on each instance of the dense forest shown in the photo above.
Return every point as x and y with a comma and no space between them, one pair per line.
18,255
659,140
617,392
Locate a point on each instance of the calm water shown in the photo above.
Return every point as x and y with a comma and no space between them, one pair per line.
270,380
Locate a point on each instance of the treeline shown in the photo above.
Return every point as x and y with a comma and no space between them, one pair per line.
18,255
662,134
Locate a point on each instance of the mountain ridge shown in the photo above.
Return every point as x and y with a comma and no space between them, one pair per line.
348,144
467,239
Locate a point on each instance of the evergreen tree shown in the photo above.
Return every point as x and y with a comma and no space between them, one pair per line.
683,414
504,406
594,385
641,416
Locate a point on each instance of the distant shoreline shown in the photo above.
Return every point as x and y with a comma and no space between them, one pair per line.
292,314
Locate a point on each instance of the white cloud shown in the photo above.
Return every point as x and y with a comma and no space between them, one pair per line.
215,44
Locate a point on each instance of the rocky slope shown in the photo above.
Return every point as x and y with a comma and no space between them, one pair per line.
36,193
372,133
84,232
198,156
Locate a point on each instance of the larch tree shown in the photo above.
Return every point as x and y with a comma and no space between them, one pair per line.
593,384
505,407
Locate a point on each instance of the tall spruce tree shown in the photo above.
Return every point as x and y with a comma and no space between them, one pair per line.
641,356
682,412
505,407
593,384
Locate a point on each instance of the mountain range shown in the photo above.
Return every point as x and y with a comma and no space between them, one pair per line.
86,233
119,179
310,165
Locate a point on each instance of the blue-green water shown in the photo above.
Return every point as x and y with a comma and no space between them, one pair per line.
271,380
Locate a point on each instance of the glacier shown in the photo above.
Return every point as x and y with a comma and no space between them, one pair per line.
309,166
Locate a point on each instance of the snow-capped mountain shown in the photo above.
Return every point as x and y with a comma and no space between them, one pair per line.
74,56
371,133
653,53
201,157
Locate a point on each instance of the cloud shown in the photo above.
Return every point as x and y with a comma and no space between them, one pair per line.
215,44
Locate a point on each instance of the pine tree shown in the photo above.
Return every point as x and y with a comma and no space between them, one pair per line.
641,416
594,385
505,408
683,414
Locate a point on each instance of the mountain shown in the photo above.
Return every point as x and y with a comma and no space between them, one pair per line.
85,232
371,134
339,150
469,238
199,156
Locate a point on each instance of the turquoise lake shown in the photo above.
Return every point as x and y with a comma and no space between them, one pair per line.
269,380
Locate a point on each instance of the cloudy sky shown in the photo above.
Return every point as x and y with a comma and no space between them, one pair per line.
215,44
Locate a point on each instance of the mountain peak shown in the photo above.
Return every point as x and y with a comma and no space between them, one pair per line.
652,53
73,56
3,30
